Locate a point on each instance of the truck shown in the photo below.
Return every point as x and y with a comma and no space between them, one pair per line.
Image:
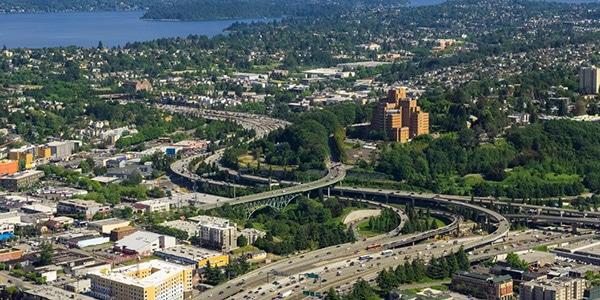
386,252
339,273
285,294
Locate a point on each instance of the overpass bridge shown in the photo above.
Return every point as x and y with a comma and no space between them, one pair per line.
279,199
554,219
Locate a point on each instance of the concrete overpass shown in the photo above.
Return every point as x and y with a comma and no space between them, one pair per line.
554,219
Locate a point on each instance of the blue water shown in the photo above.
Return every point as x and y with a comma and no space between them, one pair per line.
87,28
425,2
434,2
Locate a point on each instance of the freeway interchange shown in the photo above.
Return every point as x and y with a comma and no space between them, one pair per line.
338,266
342,255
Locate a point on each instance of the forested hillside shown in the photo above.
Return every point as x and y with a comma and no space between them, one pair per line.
549,159
235,9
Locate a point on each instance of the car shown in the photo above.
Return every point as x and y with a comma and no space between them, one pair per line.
221,293
289,262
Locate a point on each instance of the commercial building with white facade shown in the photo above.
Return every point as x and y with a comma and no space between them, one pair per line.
144,242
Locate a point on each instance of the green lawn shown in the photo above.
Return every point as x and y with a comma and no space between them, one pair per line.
439,222
246,159
245,249
553,177
362,230
473,179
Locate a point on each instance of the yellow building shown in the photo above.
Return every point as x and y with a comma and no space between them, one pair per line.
153,280
44,152
215,261
28,158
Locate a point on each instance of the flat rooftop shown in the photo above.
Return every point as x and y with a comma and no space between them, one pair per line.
536,256
81,203
105,179
582,247
54,293
181,225
209,221
111,221
190,252
161,270
24,174
198,198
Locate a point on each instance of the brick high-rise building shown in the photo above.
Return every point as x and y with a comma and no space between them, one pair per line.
399,117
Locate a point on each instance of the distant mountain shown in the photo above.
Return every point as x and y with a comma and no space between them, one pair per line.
187,10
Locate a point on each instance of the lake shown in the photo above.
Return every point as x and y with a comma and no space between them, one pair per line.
87,28
434,2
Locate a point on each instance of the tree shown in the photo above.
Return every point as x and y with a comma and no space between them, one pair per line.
126,213
514,261
580,108
133,179
22,164
242,241
362,291
332,295
386,279
46,254
85,167
462,259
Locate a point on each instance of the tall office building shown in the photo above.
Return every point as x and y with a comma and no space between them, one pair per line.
399,117
589,80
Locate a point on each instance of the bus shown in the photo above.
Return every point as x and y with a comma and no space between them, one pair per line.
365,257
373,246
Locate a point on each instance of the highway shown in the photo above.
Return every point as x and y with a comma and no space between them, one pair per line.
541,212
300,264
292,265
261,124
555,219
